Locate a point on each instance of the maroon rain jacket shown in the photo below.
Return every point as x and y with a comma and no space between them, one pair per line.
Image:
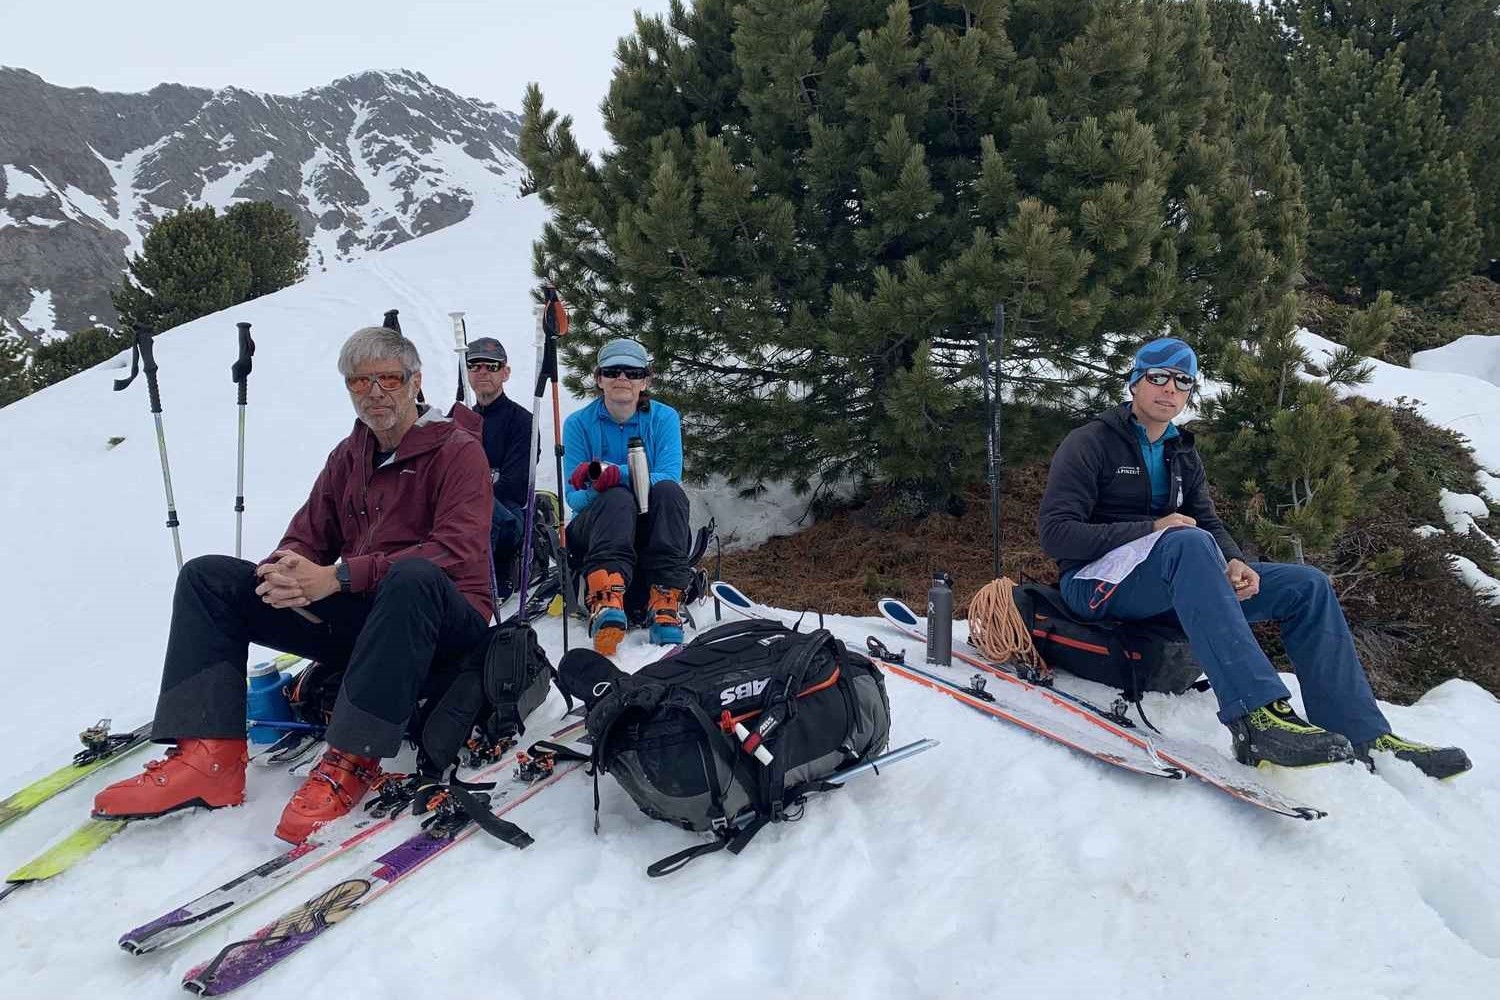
430,499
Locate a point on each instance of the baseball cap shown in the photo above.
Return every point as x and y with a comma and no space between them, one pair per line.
623,353
486,349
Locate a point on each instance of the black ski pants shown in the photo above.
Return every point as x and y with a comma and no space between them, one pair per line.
609,534
386,642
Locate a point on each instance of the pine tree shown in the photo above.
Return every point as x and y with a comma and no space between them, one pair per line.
813,206
1387,184
1297,459
13,377
58,359
190,266
1454,43
267,238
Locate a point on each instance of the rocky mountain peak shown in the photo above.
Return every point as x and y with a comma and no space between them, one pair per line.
364,163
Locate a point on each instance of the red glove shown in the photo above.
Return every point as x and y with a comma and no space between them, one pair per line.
579,480
608,477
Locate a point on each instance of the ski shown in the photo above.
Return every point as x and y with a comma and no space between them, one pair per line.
240,962
100,749
1034,716
91,835
228,900
1197,759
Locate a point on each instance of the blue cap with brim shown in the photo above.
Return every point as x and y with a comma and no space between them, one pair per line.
623,353
1164,352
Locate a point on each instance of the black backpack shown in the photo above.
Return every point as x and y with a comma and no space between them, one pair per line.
1133,657
733,730
483,700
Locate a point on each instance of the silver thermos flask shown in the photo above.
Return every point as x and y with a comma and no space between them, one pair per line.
940,620
640,474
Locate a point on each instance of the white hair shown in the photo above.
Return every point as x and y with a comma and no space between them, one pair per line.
375,343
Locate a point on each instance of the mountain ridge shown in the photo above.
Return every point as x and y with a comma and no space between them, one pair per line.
365,162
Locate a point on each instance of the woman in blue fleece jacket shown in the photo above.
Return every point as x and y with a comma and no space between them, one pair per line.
644,555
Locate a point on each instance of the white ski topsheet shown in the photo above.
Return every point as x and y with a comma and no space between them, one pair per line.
996,861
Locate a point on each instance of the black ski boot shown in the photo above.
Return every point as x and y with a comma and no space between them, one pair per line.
1435,762
1274,734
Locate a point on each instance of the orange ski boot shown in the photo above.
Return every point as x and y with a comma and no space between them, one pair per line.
665,608
334,787
606,604
206,773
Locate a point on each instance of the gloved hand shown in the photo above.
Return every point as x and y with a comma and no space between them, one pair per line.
608,477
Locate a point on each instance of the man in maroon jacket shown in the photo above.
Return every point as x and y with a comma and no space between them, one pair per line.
384,569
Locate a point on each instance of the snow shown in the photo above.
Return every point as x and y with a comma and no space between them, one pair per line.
997,863
40,318
220,192
1457,401
22,183
1478,580
1475,354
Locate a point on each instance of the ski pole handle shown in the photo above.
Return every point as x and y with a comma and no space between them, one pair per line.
148,365
240,370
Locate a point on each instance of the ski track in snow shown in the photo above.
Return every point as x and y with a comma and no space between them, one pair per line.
997,864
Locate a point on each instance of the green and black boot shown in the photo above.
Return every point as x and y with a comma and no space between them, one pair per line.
1274,734
1435,762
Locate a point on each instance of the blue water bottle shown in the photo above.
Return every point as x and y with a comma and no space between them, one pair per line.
267,702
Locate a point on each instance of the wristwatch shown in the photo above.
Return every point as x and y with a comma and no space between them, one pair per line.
341,573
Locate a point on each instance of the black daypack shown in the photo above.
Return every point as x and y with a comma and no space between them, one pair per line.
485,698
1133,657
733,730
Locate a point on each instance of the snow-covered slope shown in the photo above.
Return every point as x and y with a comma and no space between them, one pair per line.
995,865
364,163
1474,354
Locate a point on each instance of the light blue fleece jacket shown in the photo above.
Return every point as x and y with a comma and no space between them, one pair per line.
591,433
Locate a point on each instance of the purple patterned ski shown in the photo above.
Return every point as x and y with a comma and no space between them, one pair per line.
240,962
227,900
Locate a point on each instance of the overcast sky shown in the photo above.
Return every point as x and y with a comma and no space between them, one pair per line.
484,50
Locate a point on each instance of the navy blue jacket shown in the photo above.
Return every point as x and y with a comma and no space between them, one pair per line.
507,438
1099,495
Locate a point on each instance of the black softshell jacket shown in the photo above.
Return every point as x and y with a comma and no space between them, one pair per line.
1099,493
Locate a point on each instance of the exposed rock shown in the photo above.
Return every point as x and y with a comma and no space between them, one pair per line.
367,162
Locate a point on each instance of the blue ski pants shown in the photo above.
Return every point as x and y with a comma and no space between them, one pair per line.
1184,574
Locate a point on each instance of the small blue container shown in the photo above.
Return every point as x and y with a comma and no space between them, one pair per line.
266,701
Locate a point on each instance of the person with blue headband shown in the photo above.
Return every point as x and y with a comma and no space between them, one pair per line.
1128,516
629,559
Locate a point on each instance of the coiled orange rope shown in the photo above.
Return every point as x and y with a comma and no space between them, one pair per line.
996,628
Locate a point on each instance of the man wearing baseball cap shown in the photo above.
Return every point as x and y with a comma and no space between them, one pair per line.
628,559
506,437
1128,517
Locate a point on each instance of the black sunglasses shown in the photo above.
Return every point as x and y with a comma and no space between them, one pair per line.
615,371
485,366
1157,376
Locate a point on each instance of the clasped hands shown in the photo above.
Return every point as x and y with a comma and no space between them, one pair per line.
292,580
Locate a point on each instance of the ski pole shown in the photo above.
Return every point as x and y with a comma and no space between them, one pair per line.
240,372
142,359
392,321
555,325
460,347
533,445
992,425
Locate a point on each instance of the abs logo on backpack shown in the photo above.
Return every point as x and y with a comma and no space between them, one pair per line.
739,692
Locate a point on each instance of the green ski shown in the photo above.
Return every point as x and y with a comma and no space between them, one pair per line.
94,833
100,748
